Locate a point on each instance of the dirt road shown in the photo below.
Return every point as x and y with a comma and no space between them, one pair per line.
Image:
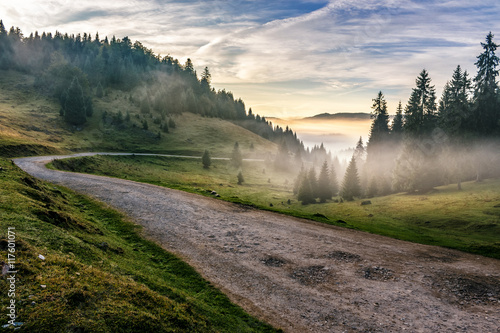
304,276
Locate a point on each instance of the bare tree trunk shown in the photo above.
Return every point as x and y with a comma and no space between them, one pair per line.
459,185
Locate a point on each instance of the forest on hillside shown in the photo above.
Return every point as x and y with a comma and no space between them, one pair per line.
428,143
76,69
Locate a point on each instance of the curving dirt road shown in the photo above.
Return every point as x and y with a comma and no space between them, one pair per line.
304,276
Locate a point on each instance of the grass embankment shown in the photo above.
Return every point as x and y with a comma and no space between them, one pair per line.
99,275
467,220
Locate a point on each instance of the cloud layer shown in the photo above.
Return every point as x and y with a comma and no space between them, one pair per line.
289,58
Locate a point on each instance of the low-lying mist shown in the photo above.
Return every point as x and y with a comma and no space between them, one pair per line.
335,134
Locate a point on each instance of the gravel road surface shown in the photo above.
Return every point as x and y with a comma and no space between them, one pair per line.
304,276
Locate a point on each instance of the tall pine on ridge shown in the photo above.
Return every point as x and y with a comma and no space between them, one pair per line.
420,113
486,100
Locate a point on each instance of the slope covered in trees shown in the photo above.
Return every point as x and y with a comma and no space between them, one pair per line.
429,142
450,141
65,64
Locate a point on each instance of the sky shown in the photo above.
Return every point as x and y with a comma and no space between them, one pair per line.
289,58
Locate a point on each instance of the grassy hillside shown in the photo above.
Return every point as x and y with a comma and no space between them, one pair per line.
467,220
30,125
29,122
98,274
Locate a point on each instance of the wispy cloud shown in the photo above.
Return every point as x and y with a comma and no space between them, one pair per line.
289,57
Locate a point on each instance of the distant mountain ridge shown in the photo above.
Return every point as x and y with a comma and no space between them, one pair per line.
341,115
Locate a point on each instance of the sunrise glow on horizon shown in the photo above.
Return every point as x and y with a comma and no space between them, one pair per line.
289,58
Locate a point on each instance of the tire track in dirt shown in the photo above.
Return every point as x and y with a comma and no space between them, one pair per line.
304,276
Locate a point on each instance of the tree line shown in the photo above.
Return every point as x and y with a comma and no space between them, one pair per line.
77,68
428,142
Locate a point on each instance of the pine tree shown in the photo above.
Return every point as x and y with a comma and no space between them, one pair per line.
334,183
454,106
397,124
313,182
324,184
206,160
74,104
206,78
305,193
379,131
188,67
486,99
240,178
6,50
359,152
236,158
298,180
3,32
420,113
351,187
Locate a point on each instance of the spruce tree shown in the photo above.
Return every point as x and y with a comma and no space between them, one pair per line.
379,131
359,152
305,193
313,181
236,158
351,187
206,160
74,104
298,180
420,113
454,106
397,124
324,184
206,79
334,183
240,178
188,67
486,99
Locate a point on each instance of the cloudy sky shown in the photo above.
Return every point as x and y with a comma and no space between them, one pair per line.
289,58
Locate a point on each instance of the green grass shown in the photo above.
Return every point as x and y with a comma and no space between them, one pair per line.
100,274
466,220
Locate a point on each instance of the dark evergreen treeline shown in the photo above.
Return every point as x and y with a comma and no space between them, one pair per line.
429,142
435,142
75,68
